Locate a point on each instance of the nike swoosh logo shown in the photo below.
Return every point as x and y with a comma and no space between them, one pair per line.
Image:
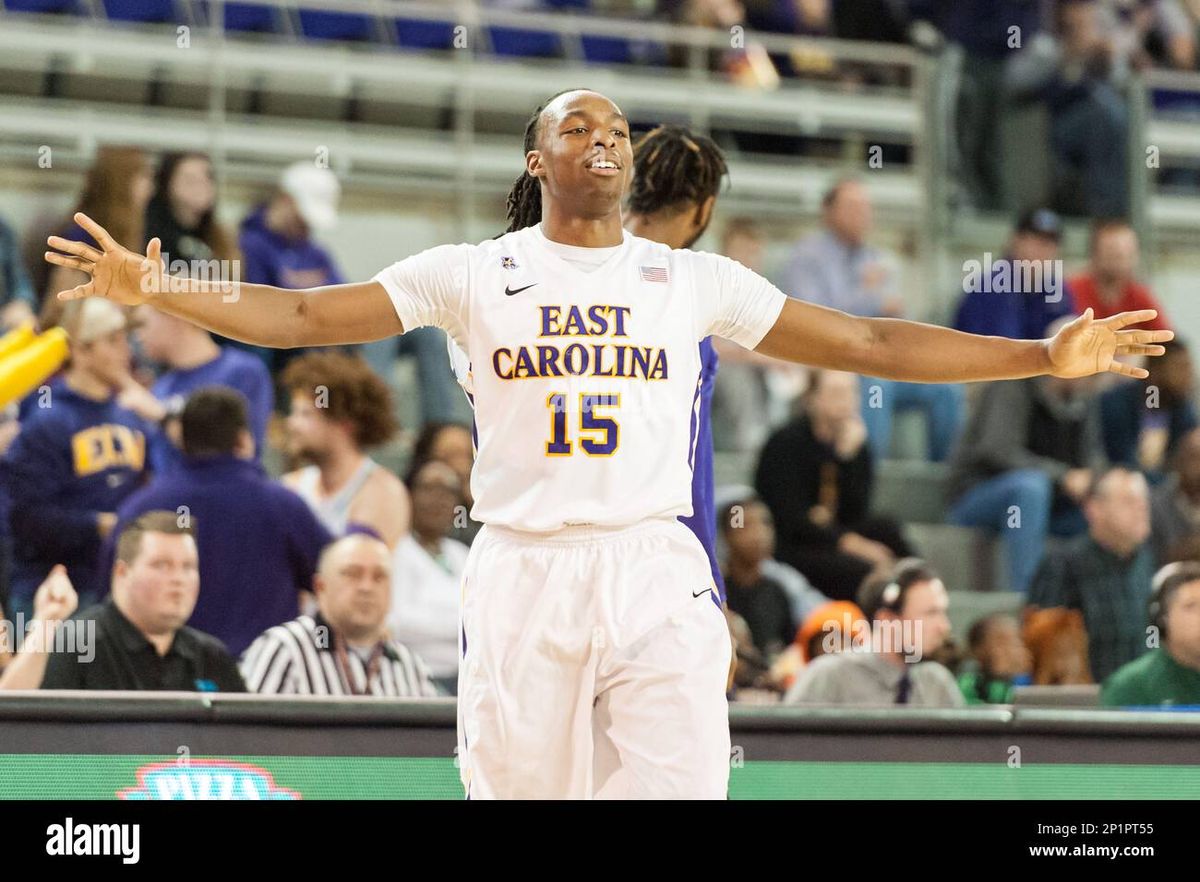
511,291
705,591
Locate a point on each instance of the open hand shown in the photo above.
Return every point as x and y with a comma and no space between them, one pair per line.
117,273
1089,346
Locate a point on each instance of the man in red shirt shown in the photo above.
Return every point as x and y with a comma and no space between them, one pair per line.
1108,286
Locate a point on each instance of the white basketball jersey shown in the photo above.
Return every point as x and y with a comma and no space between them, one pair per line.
585,383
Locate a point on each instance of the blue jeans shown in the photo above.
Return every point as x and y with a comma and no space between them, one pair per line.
995,505
439,389
942,403
1090,133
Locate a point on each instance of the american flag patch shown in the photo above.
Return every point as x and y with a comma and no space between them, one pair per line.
654,273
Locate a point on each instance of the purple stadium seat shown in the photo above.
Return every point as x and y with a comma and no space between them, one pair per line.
336,26
414,33
250,17
61,7
606,50
141,10
247,17
523,43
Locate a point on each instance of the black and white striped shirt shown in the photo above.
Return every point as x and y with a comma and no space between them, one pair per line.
302,657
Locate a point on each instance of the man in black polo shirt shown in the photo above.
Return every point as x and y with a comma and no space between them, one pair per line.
141,641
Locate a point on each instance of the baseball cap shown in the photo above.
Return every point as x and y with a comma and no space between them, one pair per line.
92,318
316,192
1041,222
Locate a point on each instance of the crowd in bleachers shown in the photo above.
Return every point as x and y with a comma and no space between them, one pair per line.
1069,61
169,482
1080,481
134,489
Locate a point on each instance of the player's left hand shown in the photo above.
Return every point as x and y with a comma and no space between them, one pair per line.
1089,346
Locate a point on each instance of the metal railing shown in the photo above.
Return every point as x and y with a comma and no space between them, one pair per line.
1164,140
464,83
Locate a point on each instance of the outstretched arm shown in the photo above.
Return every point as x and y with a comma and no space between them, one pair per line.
902,350
257,314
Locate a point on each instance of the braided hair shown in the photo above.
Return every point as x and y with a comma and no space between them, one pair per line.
524,203
674,168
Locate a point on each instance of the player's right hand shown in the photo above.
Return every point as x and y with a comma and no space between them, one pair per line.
117,273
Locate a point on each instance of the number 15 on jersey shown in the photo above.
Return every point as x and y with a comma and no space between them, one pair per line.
597,434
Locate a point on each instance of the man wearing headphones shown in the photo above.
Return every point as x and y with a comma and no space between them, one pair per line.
1169,675
907,612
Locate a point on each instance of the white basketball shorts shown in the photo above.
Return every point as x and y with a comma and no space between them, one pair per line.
594,665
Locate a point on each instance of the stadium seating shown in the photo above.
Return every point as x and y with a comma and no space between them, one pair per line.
524,43
318,25
146,11
251,18
420,34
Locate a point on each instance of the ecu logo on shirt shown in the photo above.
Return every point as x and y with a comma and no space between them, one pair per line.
107,446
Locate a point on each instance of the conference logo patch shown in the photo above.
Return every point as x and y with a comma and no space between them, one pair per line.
205,779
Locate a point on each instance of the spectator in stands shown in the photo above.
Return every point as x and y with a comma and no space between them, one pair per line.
194,360
340,409
1058,642
78,456
1109,284
18,302
343,649
753,393
54,601
750,538
182,214
1175,505
836,267
427,570
831,627
141,641
1168,675
258,541
453,444
1024,465
1080,75
1152,33
750,670
1106,572
816,476
1001,660
277,244
10,427
1024,292
1144,420
983,31
117,189
907,611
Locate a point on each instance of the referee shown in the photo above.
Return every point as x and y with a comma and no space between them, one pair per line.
344,648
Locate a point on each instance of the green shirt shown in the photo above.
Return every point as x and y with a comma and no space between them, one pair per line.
977,688
1154,680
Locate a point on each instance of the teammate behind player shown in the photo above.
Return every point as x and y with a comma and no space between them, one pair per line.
676,179
585,614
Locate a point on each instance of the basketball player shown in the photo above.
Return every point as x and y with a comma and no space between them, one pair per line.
582,587
677,178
